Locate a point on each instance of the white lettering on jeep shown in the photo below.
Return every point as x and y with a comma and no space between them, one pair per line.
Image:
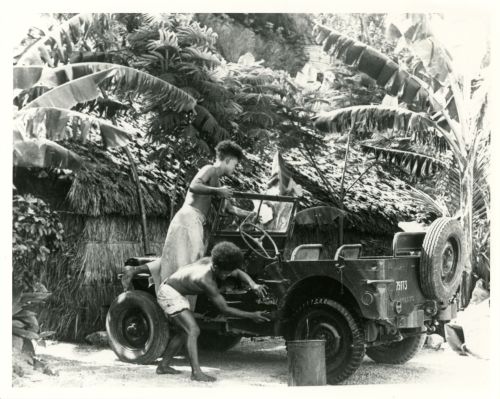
401,285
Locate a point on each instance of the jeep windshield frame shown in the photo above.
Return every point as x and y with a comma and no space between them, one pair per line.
215,229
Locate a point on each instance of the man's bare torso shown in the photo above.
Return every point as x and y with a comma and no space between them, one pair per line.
202,202
192,279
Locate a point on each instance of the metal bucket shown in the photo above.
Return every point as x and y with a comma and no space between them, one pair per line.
306,363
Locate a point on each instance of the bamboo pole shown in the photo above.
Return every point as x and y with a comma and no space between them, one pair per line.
140,199
142,208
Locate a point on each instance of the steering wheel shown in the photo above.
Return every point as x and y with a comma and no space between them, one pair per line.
247,238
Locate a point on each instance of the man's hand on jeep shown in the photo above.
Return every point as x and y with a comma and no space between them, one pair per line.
260,290
225,192
128,274
254,218
259,317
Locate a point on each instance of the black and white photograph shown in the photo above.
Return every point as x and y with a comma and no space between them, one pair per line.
265,200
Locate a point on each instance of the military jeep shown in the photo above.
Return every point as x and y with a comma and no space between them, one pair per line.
379,305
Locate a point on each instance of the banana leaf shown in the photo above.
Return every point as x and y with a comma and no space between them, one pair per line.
83,82
30,321
61,124
367,59
43,153
26,77
61,38
17,324
374,117
413,163
35,297
24,333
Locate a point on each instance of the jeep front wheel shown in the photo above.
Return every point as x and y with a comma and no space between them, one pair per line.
326,319
137,328
442,259
396,352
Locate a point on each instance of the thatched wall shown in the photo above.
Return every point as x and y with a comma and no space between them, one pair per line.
83,280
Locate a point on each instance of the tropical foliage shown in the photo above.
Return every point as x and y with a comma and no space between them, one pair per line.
37,233
441,123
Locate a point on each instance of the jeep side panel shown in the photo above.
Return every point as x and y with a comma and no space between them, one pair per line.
383,288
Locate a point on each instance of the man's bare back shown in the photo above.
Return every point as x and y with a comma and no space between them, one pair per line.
193,279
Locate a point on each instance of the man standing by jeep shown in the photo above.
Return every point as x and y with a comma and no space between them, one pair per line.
202,276
185,242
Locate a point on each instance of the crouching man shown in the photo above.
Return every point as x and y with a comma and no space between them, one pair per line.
201,277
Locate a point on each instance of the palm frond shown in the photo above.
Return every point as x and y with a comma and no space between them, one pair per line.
205,57
261,99
162,19
427,202
205,122
369,119
214,91
194,72
194,34
446,184
57,124
259,118
412,163
117,78
62,38
374,118
167,40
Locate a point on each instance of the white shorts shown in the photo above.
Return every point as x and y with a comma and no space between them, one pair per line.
171,302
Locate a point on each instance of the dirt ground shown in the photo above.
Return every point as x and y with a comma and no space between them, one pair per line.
258,363
262,362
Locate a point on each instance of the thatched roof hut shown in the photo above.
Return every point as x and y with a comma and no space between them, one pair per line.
99,211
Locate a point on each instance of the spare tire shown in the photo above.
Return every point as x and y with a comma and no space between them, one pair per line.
442,259
137,327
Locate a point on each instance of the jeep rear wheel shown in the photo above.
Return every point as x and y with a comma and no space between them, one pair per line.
137,327
396,352
442,259
211,341
326,319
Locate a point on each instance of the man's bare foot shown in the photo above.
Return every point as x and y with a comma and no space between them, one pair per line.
127,277
202,377
161,369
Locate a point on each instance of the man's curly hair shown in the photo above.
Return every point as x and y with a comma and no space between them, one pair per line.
226,256
228,148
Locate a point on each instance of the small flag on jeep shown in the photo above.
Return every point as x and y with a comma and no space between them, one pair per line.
280,174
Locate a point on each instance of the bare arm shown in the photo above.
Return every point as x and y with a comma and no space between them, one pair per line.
230,208
221,304
199,185
260,290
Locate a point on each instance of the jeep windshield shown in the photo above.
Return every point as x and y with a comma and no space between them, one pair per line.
275,212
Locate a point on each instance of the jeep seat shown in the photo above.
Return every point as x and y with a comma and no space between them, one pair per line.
348,251
307,252
407,243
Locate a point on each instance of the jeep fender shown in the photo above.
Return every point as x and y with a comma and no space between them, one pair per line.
299,281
